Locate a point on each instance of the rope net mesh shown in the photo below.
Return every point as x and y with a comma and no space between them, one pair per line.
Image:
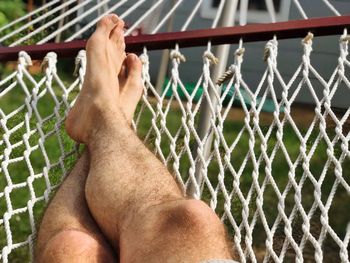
274,170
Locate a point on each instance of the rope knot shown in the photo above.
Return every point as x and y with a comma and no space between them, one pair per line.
239,52
144,59
24,59
345,38
175,54
307,43
271,49
344,49
226,76
49,61
80,62
308,39
210,56
238,55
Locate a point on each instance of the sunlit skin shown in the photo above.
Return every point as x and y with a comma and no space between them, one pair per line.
120,203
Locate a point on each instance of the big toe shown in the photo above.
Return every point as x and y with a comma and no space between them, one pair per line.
107,23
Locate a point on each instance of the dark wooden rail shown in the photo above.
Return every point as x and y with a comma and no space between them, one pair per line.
226,35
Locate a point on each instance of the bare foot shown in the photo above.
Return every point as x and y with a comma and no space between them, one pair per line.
98,100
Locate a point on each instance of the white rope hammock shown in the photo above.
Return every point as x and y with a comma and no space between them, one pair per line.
280,186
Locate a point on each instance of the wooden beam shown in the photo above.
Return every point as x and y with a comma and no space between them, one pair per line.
226,35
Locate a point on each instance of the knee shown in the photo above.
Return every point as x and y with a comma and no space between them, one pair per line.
72,244
185,227
192,217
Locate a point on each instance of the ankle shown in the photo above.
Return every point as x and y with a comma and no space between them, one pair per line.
107,127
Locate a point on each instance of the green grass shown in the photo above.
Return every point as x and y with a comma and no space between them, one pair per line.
19,172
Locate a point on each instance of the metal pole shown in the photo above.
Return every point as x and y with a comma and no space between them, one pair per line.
221,52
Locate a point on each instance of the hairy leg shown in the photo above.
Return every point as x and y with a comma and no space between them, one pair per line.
67,232
131,195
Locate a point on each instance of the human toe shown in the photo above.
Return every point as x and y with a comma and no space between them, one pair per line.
107,23
117,35
122,77
133,65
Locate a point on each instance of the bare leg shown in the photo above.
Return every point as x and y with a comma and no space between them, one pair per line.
67,232
131,195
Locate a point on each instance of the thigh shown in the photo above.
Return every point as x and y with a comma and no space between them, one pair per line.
76,246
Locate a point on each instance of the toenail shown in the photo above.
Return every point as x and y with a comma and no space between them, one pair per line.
115,19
